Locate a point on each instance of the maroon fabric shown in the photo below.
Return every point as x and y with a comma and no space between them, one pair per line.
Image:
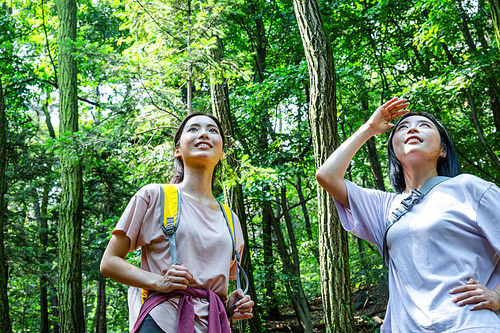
217,317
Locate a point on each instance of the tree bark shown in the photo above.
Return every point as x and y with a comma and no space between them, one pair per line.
376,168
71,318
4,278
233,195
333,243
495,17
100,315
307,220
295,289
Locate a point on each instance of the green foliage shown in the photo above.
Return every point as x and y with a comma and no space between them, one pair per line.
134,61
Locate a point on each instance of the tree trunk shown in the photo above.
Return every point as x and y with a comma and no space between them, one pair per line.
233,195
4,277
100,315
297,294
495,17
71,319
333,243
270,275
307,220
479,129
42,233
376,168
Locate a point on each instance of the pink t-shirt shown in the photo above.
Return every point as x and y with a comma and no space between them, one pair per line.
203,242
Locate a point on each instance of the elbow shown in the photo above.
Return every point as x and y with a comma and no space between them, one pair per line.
320,177
104,267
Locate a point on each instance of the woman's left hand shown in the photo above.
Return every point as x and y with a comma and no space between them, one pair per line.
243,306
474,292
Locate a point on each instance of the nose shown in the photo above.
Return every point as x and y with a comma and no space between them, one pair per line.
203,133
412,129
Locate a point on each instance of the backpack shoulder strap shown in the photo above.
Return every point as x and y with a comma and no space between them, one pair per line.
169,219
170,213
228,216
406,204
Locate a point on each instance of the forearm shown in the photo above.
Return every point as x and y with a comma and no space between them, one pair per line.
120,270
331,174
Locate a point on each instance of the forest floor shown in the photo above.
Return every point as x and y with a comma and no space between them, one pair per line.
369,304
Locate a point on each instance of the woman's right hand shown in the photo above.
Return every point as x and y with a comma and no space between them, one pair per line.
380,120
177,277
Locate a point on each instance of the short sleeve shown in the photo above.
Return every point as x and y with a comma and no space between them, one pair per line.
368,212
488,216
132,220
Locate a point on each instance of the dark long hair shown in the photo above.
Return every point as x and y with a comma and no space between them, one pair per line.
178,163
446,166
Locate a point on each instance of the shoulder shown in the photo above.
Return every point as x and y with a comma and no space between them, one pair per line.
149,193
471,187
468,183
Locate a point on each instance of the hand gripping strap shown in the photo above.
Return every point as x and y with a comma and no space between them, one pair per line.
407,204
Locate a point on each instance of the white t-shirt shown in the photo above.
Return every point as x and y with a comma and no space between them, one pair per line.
451,235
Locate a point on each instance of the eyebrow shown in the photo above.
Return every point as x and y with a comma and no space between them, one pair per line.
198,125
419,122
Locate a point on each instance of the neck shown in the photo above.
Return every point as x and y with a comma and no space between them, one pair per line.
415,178
198,182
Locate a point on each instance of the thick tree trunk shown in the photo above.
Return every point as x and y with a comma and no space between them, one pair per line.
71,319
495,16
233,195
333,243
4,278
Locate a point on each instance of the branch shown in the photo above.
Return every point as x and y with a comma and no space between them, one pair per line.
479,130
478,167
47,43
156,128
153,102
158,24
293,206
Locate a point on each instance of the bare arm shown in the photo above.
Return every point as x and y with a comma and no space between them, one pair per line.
114,266
331,174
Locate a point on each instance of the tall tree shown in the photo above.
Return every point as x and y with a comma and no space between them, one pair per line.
71,317
233,194
333,243
4,300
495,16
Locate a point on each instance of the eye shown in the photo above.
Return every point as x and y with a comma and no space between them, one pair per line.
192,129
214,130
426,125
403,126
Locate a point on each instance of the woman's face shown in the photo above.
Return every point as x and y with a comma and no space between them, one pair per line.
416,139
200,142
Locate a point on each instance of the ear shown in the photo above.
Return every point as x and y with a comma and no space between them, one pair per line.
223,157
443,152
177,152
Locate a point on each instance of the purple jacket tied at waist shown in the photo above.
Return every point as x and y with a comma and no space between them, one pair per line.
217,317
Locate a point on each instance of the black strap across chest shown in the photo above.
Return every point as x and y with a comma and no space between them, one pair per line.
406,204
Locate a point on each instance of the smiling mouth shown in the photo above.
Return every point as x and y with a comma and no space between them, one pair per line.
413,139
202,145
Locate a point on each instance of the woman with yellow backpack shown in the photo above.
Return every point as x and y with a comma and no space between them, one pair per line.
190,243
